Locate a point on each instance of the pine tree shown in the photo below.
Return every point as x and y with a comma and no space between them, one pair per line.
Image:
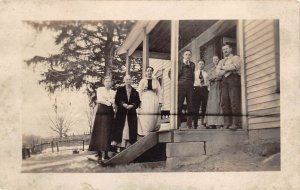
87,54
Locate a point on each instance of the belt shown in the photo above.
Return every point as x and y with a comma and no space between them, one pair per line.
200,86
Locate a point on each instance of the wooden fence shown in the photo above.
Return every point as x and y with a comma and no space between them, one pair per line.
59,145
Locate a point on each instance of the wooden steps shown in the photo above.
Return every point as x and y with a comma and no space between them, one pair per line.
135,150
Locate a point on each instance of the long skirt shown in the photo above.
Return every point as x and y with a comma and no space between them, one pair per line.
100,138
148,113
125,137
214,114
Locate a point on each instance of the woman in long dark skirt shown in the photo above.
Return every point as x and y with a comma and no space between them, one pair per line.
100,138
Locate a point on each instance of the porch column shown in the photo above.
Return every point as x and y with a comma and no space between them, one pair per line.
127,63
174,72
145,52
241,53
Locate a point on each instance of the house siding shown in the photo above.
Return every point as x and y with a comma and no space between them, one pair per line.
263,101
164,66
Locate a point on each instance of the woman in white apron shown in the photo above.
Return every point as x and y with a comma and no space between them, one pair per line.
151,101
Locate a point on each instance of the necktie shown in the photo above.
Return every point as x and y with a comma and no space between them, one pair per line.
201,78
149,84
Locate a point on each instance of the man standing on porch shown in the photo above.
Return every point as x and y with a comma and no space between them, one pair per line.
185,86
200,93
229,67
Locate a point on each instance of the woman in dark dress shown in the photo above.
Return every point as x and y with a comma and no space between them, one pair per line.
100,138
125,128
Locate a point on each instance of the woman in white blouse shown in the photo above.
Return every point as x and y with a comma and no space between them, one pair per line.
151,101
100,137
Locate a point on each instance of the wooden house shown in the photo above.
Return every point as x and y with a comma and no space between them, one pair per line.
255,41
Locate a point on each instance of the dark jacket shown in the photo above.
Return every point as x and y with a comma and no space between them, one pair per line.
180,66
120,99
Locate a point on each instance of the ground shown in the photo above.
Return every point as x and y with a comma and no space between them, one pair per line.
254,157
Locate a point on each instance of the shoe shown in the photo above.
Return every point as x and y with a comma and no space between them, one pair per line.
212,127
118,150
106,157
225,127
233,127
219,126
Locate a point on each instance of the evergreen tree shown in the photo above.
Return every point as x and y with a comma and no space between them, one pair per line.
88,54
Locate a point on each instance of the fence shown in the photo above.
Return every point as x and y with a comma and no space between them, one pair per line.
59,145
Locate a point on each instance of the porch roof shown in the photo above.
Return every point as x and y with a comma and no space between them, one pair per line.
136,36
160,35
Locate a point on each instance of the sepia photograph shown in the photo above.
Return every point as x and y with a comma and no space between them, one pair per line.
150,95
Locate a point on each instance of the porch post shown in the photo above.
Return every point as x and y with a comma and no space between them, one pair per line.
174,72
127,63
145,52
241,52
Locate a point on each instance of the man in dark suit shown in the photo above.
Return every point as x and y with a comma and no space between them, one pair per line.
127,100
186,78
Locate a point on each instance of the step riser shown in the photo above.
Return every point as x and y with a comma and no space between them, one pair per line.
176,162
187,149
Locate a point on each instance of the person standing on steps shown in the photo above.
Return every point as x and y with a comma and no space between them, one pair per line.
214,114
229,68
151,101
200,93
127,101
186,78
100,137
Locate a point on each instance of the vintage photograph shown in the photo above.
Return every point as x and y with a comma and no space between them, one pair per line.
118,96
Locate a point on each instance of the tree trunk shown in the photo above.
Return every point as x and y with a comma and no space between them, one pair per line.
109,50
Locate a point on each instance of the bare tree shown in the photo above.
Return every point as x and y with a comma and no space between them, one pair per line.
61,118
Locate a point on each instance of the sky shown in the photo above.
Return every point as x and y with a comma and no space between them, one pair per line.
36,102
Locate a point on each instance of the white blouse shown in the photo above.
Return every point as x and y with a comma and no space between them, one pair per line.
143,85
106,97
197,80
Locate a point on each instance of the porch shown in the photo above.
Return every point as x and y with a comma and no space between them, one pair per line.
166,40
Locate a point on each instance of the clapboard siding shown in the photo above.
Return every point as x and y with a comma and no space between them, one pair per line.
252,24
263,103
267,98
261,73
262,92
260,40
264,31
261,80
263,119
260,54
259,113
259,27
264,45
260,67
261,86
167,90
261,60
165,66
273,124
